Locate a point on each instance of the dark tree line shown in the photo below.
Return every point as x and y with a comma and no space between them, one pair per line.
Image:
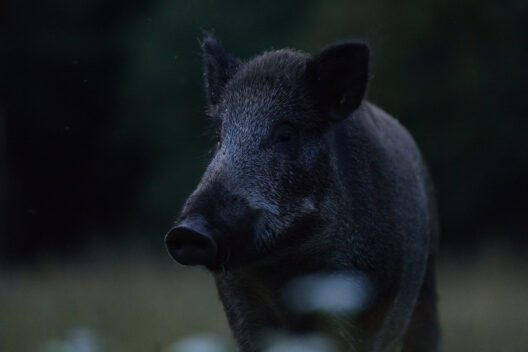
102,125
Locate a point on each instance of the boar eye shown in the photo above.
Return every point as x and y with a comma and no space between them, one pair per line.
284,133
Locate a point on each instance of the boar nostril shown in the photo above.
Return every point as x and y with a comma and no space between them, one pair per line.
190,243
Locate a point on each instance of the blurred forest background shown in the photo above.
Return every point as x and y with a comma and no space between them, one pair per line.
103,135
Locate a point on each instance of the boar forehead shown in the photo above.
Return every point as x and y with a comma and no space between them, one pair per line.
265,90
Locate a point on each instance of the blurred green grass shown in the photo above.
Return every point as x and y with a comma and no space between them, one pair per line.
143,305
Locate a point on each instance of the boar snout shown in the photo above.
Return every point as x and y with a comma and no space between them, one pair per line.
191,242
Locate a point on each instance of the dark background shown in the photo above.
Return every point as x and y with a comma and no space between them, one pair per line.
103,135
102,125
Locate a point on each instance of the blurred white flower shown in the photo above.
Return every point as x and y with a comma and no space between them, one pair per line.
200,343
301,343
331,293
78,340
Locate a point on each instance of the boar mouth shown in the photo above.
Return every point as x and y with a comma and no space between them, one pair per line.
232,257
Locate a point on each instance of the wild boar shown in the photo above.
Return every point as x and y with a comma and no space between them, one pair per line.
309,177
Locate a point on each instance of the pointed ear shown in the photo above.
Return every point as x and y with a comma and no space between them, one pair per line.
338,78
218,66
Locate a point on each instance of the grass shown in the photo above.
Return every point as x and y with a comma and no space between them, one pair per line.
139,305
484,303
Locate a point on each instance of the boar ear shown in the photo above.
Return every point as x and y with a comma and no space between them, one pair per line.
219,67
338,78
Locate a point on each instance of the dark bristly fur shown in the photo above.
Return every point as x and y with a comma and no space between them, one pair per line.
308,177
